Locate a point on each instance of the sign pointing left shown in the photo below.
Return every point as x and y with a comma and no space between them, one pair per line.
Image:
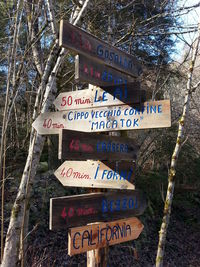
154,114
96,174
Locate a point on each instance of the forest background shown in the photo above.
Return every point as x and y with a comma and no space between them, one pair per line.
34,70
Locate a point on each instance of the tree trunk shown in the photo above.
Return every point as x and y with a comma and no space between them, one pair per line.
172,171
12,243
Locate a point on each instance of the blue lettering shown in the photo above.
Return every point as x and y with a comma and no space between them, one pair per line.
104,96
118,91
131,203
152,109
108,124
74,237
104,206
86,237
159,108
104,172
96,99
135,122
126,112
124,204
109,175
111,206
71,112
108,228
94,125
99,50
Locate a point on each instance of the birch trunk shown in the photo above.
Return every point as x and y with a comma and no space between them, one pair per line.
9,101
172,171
12,243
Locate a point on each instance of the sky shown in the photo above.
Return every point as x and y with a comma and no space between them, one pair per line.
190,19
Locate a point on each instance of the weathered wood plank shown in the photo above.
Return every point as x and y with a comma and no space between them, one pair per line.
72,211
97,174
89,237
90,71
82,42
154,114
80,146
97,97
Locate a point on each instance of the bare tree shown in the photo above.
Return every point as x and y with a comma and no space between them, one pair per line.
174,160
12,244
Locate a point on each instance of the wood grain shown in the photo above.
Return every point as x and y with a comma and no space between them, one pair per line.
79,210
96,174
97,97
89,237
96,73
82,42
75,145
154,114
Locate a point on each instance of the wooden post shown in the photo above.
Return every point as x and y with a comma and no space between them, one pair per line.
97,257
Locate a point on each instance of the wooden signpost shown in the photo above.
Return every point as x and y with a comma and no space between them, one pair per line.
72,211
84,43
89,237
97,174
98,97
80,146
88,70
155,114
99,110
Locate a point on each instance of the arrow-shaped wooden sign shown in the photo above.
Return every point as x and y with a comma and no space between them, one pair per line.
75,145
96,174
90,71
79,210
95,236
155,114
84,43
97,97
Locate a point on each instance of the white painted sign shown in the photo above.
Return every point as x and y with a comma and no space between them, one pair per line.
96,174
97,97
155,114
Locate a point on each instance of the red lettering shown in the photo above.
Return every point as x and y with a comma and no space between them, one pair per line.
74,145
85,69
71,212
97,74
47,123
62,172
64,214
69,172
64,102
91,71
86,148
88,45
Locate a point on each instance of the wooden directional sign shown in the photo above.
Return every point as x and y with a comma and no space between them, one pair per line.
79,210
84,43
82,146
90,71
155,114
94,236
98,97
96,174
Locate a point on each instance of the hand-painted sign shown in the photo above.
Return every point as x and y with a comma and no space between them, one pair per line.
84,43
90,71
97,97
155,114
82,146
96,174
72,211
94,236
